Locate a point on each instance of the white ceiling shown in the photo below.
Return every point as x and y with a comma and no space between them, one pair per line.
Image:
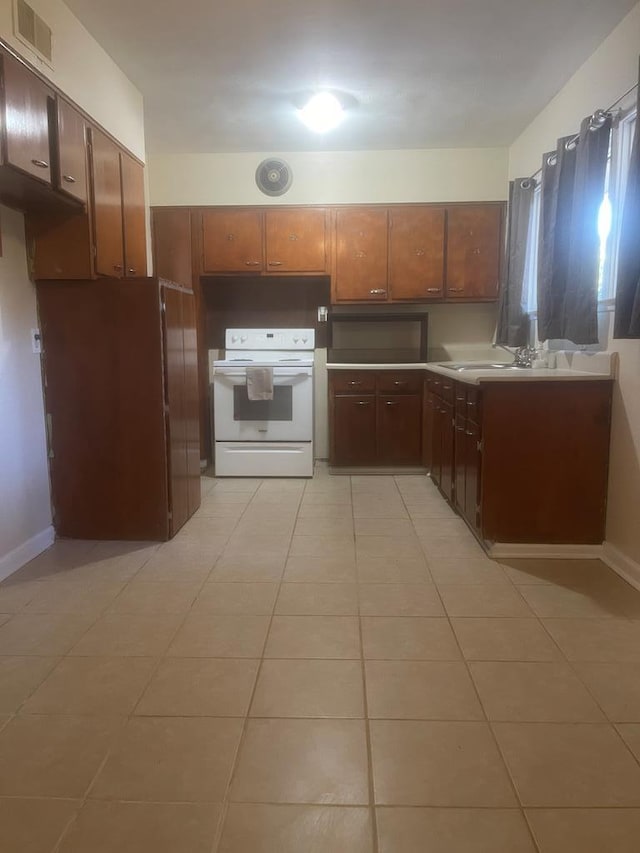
223,76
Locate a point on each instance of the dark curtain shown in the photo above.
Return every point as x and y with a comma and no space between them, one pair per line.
513,320
627,317
569,247
580,315
557,183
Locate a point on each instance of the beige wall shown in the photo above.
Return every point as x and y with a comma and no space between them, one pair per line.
85,72
606,75
334,177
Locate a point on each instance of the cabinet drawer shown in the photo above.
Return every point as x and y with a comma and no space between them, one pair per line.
353,382
397,382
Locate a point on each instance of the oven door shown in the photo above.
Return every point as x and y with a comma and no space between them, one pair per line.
288,417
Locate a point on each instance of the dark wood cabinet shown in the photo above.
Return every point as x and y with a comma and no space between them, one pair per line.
172,253
134,224
399,429
474,245
232,241
416,253
296,240
25,120
523,461
107,206
119,396
361,255
375,417
71,151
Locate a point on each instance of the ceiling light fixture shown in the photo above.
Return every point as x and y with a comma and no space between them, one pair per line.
322,112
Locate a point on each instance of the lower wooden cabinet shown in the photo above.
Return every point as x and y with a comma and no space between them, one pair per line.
375,417
121,398
522,461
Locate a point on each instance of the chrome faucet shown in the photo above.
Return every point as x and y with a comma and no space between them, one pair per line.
524,357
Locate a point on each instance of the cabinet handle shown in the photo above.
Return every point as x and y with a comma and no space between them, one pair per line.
377,291
391,403
433,289
455,289
275,263
468,432
131,271
471,403
252,263
460,399
446,387
460,429
355,382
399,381
363,403
69,179
41,164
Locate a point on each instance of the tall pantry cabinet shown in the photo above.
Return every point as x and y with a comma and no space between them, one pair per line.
121,397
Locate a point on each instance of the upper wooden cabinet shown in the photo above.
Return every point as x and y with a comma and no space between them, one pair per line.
26,120
474,245
232,241
361,255
296,240
134,223
107,205
416,253
256,241
172,259
70,172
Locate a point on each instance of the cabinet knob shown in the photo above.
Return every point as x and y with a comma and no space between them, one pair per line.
117,267
275,263
252,263
69,179
355,382
131,271
293,236
391,403
362,403
230,237
378,291
419,252
399,381
41,164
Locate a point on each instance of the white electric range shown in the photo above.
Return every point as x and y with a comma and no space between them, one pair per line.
264,438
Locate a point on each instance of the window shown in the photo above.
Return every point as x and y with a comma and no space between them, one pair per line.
609,218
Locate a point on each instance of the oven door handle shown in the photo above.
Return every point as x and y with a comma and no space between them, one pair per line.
240,374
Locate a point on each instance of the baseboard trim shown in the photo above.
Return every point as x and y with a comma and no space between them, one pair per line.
621,564
517,550
17,558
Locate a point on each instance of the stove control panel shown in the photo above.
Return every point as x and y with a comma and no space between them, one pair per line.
270,339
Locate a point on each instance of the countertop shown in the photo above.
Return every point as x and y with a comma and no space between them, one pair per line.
571,367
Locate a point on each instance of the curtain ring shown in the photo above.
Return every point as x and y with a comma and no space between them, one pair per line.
598,119
571,144
527,183
552,160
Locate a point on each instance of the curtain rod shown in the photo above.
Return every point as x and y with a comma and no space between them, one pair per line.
596,113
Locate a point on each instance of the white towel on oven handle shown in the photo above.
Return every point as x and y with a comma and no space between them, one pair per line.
260,383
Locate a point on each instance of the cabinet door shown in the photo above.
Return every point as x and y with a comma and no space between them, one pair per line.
296,240
473,468
460,462
473,251
399,425
175,407
26,120
427,427
416,253
134,220
232,241
448,450
354,430
191,400
361,255
107,205
171,228
71,171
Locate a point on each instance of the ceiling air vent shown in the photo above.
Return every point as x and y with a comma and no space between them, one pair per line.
32,30
273,177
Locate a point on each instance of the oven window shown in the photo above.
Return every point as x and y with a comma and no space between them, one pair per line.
278,409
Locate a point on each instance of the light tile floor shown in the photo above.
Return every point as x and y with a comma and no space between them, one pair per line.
330,666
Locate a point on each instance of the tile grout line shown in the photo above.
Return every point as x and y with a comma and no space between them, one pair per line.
367,723
132,715
486,717
234,766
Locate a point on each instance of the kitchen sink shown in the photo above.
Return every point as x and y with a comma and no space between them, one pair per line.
480,365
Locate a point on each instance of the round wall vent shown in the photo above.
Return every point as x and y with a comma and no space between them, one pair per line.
273,177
